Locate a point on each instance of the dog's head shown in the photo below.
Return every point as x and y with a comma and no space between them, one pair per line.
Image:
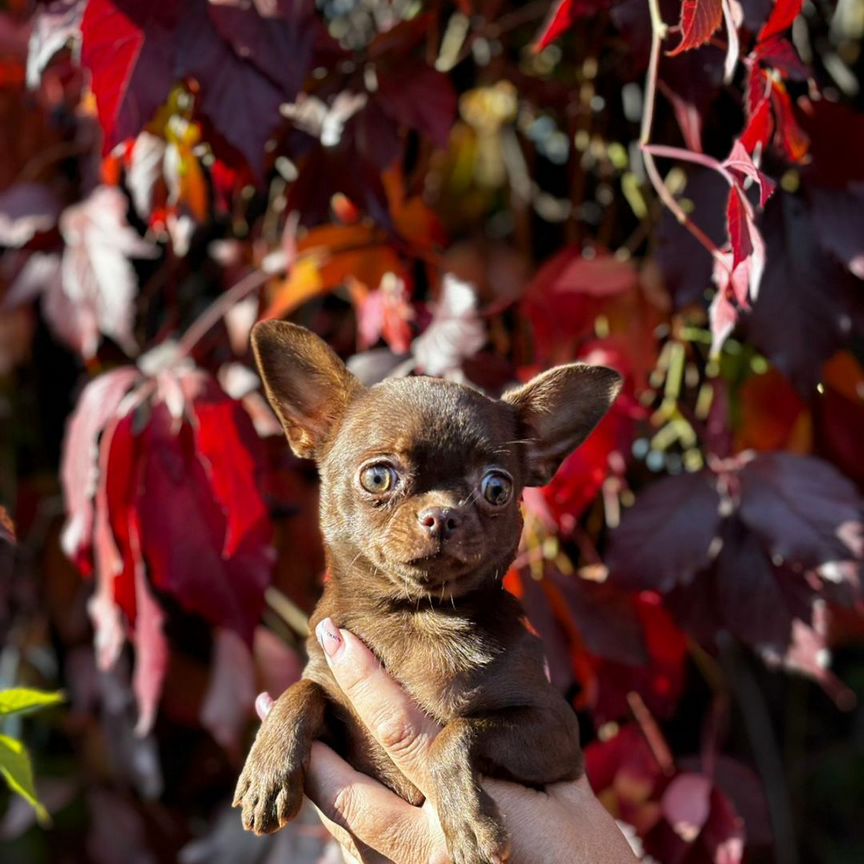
420,477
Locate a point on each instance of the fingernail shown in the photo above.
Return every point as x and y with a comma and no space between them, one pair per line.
329,637
263,705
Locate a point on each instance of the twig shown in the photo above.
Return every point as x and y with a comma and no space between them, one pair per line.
653,735
219,307
659,31
288,611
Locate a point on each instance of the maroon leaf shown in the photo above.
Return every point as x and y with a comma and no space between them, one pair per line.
421,98
776,533
245,65
129,49
666,539
838,217
808,307
699,20
163,493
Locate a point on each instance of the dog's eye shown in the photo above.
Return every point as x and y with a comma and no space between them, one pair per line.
378,479
496,487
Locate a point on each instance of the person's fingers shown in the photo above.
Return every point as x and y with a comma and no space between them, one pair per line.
263,705
370,813
382,705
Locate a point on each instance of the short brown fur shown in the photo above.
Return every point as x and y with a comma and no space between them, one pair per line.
424,596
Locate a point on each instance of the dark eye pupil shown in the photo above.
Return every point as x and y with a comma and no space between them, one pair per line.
496,489
378,478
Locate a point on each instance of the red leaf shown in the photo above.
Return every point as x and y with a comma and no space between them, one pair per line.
561,18
128,47
244,65
699,20
781,18
791,137
760,127
184,531
225,442
96,406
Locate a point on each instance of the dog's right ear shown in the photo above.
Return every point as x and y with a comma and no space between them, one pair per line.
306,383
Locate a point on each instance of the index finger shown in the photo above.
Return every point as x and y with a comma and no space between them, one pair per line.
386,710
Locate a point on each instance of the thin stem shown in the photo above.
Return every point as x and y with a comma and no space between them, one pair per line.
658,33
702,159
219,307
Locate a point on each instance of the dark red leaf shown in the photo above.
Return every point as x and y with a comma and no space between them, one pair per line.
838,217
419,97
129,49
778,533
799,508
184,531
666,539
808,307
699,20
778,53
836,134
244,66
781,18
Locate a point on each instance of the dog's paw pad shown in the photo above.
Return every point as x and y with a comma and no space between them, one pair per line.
269,798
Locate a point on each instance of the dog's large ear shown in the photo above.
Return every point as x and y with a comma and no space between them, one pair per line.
306,383
558,410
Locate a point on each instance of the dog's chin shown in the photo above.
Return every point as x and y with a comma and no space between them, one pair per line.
439,575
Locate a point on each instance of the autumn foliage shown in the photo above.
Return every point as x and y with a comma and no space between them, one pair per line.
474,189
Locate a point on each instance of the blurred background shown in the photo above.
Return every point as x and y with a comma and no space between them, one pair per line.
475,189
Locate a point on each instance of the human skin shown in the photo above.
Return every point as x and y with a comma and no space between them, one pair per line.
563,823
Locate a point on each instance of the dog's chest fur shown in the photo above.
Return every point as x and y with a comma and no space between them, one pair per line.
451,662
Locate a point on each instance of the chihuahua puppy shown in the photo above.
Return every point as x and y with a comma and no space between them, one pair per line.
420,486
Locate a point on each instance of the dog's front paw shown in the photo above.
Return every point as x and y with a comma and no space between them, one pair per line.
477,840
270,789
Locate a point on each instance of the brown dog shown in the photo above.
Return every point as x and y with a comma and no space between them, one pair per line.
420,486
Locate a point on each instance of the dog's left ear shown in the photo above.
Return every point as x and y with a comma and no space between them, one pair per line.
558,410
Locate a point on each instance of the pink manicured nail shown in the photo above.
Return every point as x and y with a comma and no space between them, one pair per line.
329,637
263,705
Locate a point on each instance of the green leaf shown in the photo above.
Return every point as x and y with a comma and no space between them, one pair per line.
15,766
22,700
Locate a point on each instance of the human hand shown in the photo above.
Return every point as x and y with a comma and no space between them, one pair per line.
563,823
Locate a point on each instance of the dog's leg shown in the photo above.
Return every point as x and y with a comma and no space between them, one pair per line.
270,788
529,745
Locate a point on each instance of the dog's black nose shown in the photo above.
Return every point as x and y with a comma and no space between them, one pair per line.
439,522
